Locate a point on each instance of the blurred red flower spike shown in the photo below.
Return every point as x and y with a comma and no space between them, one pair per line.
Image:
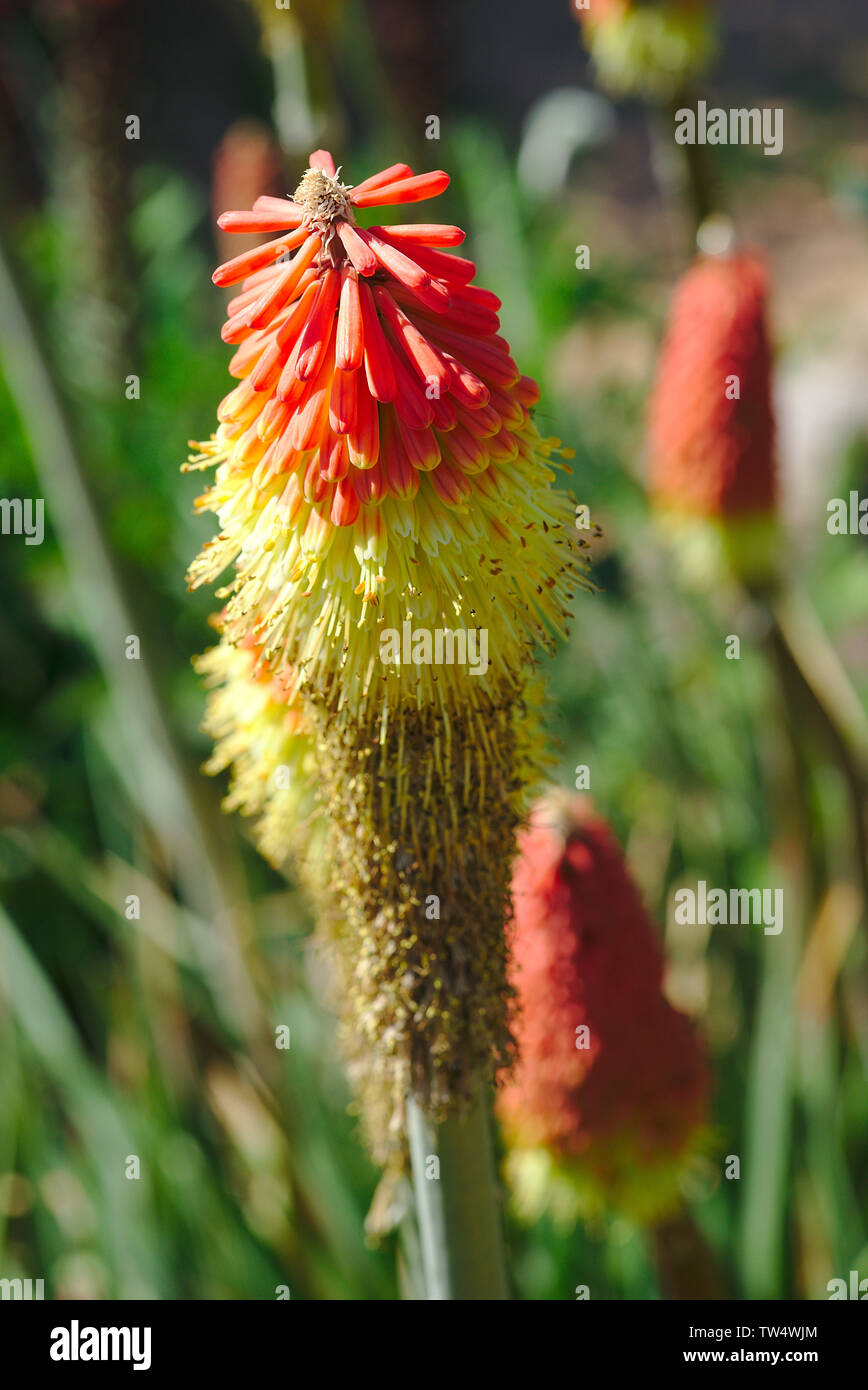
612,1080
711,417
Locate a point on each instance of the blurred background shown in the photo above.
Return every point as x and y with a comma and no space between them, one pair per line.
146,952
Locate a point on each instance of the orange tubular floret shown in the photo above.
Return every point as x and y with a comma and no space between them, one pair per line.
321,159
262,220
426,359
350,344
240,266
378,365
436,263
413,190
359,252
385,176
426,234
342,408
315,338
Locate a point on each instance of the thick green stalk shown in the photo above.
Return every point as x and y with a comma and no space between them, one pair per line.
458,1204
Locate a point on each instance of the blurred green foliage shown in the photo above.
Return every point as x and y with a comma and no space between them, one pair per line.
116,1036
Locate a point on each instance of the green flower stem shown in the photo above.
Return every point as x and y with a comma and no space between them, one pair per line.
458,1204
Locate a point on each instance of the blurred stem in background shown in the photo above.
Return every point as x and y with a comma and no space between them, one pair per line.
686,176
810,668
700,180
792,1054
819,703
93,192
825,1245
299,44
772,1076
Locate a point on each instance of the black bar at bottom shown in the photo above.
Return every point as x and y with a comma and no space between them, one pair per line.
142,1339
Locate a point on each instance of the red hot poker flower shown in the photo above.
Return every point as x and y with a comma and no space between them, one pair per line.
712,431
712,465
380,473
380,436
611,1089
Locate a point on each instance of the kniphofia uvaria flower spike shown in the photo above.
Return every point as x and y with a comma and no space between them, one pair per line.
609,1102
712,462
388,504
